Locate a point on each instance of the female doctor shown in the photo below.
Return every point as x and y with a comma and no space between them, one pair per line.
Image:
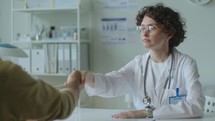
164,82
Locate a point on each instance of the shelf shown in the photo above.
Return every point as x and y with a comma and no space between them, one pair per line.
38,10
50,42
50,57
45,42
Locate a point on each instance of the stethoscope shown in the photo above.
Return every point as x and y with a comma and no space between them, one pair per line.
147,99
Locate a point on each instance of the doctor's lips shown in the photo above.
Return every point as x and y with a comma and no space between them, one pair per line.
146,39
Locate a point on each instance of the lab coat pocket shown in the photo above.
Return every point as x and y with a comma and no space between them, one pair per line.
172,92
182,91
176,95
164,97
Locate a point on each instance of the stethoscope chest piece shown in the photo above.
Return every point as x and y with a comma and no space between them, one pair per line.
147,100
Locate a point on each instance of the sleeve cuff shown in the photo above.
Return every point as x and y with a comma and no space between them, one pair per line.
90,91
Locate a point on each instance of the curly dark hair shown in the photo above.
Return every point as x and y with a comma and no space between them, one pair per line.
170,20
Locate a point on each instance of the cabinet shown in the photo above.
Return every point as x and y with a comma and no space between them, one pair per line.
54,34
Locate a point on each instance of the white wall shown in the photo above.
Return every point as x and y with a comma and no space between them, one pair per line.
5,15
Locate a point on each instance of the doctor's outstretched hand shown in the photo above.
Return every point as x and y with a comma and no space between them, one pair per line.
88,78
131,114
74,81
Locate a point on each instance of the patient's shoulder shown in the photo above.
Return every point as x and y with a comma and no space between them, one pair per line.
8,66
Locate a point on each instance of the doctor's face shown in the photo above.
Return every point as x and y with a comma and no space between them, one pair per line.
152,34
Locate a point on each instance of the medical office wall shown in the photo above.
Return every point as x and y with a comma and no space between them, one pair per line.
199,43
111,55
108,55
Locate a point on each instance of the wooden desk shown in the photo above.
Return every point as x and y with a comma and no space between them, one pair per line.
93,114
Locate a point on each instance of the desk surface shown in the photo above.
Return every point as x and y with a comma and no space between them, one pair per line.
92,114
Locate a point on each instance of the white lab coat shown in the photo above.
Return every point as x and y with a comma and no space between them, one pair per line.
129,80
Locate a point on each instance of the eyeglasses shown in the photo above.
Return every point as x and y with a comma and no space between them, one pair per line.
148,29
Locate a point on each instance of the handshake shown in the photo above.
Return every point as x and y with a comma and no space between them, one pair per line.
77,79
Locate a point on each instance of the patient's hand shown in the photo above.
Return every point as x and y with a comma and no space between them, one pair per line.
74,81
131,114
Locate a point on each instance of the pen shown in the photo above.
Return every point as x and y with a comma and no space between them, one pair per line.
177,91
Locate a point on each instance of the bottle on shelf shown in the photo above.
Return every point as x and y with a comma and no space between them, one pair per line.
52,33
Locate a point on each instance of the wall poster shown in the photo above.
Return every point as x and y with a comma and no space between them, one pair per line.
114,30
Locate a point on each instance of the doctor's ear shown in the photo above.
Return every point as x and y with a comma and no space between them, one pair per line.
169,36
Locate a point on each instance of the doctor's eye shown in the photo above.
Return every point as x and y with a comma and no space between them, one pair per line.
151,28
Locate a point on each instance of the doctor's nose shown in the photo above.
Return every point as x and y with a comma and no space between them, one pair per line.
145,32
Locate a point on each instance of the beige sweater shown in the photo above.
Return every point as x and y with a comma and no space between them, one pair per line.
22,97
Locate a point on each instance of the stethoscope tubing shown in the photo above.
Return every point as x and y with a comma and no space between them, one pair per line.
145,73
168,78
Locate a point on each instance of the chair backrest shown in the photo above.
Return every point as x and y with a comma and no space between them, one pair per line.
209,105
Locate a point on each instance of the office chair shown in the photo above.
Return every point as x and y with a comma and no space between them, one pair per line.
209,105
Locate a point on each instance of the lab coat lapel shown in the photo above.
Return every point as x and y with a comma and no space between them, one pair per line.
159,89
